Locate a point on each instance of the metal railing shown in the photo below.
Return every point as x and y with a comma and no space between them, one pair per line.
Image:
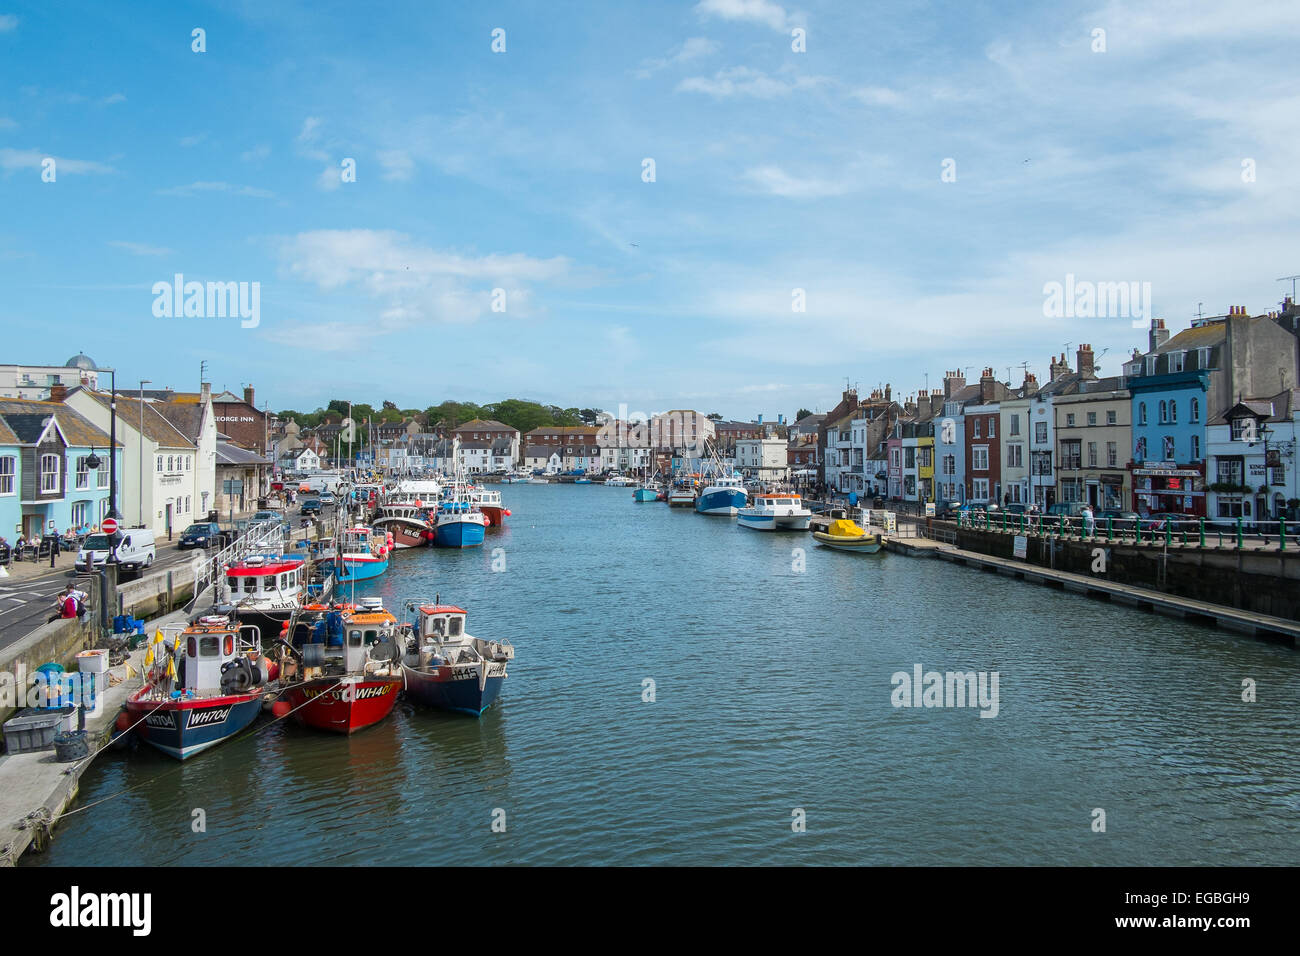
267,534
1232,533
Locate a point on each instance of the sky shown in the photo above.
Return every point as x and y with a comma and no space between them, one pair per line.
914,174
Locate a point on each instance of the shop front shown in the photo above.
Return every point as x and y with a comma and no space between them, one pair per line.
1169,488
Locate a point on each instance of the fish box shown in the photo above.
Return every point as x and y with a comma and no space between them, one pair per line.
93,662
32,730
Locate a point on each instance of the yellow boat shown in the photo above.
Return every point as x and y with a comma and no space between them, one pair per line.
846,535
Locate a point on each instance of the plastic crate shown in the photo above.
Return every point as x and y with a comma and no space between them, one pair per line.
33,730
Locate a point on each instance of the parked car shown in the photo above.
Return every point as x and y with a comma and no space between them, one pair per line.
948,510
201,534
1070,509
327,498
134,550
1016,509
279,516
1119,520
310,506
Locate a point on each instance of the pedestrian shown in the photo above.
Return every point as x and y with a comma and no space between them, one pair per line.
54,545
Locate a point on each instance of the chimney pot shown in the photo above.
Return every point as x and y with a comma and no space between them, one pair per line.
248,396
58,392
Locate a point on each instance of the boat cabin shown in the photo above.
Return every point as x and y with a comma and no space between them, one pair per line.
266,580
208,645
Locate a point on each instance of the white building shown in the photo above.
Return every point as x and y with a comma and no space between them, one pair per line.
35,381
762,458
1252,446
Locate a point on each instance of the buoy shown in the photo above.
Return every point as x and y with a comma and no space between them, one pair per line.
506,512
281,708
123,722
272,670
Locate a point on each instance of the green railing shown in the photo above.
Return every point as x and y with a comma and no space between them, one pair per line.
1191,533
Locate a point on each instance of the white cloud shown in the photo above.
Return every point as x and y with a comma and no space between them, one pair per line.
397,163
188,141
692,49
196,188
140,249
32,159
776,181
310,130
754,11
878,96
745,81
330,178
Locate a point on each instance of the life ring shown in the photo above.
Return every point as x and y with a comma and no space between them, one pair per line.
312,607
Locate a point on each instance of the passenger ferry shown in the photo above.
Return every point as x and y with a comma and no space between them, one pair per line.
202,685
775,512
725,496
445,667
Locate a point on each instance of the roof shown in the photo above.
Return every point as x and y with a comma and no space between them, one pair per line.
1278,408
1200,337
539,451
231,454
130,414
485,424
185,417
585,430
24,423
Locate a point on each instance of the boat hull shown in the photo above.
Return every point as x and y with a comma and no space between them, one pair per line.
183,728
721,501
866,544
774,522
495,514
342,705
457,689
360,569
458,534
645,494
681,501
406,534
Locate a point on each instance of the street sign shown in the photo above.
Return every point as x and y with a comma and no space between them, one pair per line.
109,526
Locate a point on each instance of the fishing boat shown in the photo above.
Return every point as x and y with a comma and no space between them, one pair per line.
409,525
489,502
844,534
445,667
515,477
362,553
647,491
682,494
539,480
725,496
202,686
775,512
619,481
458,524
339,667
266,589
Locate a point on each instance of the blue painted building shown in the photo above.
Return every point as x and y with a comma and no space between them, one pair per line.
1169,419
45,476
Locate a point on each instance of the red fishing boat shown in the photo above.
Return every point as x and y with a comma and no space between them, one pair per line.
340,667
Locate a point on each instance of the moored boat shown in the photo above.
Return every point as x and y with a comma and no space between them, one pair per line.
846,535
459,524
725,496
775,512
214,692
266,589
410,525
338,667
489,502
445,667
649,491
362,553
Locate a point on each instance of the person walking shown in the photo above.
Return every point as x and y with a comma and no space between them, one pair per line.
53,537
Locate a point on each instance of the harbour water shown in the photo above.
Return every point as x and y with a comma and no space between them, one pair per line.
772,694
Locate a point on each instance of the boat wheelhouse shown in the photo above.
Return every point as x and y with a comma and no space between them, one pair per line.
489,502
447,668
411,525
202,685
775,512
266,585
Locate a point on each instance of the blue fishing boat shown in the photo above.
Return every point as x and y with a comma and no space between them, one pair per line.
459,524
362,554
647,492
725,496
446,668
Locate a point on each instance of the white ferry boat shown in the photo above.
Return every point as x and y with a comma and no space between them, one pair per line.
777,512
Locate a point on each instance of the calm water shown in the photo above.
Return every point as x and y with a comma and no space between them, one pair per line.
773,693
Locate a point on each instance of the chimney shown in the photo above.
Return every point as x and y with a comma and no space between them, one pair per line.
1030,385
248,396
58,392
987,383
887,393
936,402
1058,368
1084,356
1158,335
953,382
205,393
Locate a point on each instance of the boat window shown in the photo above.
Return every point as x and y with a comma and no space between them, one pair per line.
438,625
210,645
455,627
268,582
354,638
284,581
372,636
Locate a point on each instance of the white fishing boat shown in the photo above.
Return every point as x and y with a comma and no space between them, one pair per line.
620,481
776,512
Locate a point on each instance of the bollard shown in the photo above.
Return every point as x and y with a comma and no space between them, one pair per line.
1110,531
1281,534
1202,544
1239,537
1169,532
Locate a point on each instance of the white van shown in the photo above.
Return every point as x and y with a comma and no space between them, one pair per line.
135,550
319,483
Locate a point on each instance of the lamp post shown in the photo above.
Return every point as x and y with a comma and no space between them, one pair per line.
140,465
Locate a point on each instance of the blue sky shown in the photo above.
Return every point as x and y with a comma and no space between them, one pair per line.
522,170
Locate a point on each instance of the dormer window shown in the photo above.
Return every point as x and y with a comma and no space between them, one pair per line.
1175,361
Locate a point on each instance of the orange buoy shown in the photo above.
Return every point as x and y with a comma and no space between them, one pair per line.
123,722
281,708
506,512
272,670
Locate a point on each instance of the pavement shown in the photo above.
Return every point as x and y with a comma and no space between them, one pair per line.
27,593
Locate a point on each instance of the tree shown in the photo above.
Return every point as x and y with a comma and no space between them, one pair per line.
338,405
589,416
714,416
801,414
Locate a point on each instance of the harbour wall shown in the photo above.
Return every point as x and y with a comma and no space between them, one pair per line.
1260,581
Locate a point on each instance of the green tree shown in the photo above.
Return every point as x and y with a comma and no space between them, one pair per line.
802,413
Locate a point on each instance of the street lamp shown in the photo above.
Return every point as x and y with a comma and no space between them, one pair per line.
140,476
